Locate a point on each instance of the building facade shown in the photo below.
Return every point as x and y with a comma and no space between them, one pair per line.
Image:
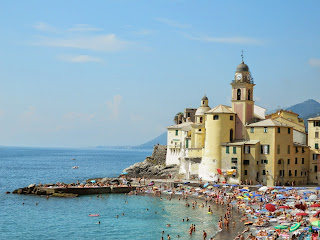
240,144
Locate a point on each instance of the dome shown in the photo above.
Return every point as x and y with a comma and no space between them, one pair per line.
242,67
202,110
204,98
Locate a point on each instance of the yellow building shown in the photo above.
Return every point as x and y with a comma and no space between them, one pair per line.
314,143
240,144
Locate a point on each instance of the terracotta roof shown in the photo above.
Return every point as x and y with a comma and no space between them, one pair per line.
220,109
268,123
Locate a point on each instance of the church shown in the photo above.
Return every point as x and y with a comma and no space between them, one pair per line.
240,143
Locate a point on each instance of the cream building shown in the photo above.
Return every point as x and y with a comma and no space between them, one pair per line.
240,144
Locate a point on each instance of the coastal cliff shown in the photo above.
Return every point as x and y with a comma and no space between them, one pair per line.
153,166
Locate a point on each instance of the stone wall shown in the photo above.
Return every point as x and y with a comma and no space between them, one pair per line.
158,156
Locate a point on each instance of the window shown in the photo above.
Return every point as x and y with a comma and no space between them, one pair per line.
265,161
188,115
316,146
249,94
263,172
316,168
234,150
316,123
245,172
281,173
265,149
247,149
234,160
297,150
278,130
302,160
231,118
216,117
261,161
289,130
239,94
296,161
290,173
288,161
246,162
252,130
177,131
289,148
314,156
227,149
265,130
203,102
278,149
295,173
301,173
257,162
279,161
231,135
199,129
201,119
303,150
316,134
234,167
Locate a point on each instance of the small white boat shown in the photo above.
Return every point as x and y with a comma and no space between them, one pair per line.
75,167
73,159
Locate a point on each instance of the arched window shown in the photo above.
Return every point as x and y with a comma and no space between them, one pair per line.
231,135
215,117
201,119
279,161
239,94
203,102
249,94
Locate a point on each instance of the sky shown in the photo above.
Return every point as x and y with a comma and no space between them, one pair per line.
115,72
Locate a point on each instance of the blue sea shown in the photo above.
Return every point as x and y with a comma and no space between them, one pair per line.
67,218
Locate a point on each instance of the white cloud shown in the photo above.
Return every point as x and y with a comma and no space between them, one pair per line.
78,58
173,23
79,116
314,62
84,28
114,106
30,113
228,40
106,42
44,27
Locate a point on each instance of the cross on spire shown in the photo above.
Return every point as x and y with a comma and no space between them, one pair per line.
242,54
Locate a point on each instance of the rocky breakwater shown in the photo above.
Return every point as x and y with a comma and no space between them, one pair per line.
153,166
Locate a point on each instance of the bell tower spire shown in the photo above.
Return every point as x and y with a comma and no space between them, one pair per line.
242,98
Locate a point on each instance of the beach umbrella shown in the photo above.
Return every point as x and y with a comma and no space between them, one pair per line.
302,214
312,197
301,206
270,207
316,223
216,185
317,188
248,223
234,185
186,182
210,187
289,188
313,228
281,227
257,195
244,190
278,187
227,184
239,197
259,185
263,189
206,185
93,181
307,192
124,173
280,198
285,207
317,214
315,205
151,184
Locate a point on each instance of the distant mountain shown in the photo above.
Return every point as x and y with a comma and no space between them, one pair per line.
162,140
306,109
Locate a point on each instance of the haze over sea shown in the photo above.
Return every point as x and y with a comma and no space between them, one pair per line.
67,218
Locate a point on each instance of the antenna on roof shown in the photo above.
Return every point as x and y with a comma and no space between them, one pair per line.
242,54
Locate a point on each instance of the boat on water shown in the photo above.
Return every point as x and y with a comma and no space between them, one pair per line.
73,159
75,167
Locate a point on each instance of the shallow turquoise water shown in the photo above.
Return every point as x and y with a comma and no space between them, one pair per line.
61,218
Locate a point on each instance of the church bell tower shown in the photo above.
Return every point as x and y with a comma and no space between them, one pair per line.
242,99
